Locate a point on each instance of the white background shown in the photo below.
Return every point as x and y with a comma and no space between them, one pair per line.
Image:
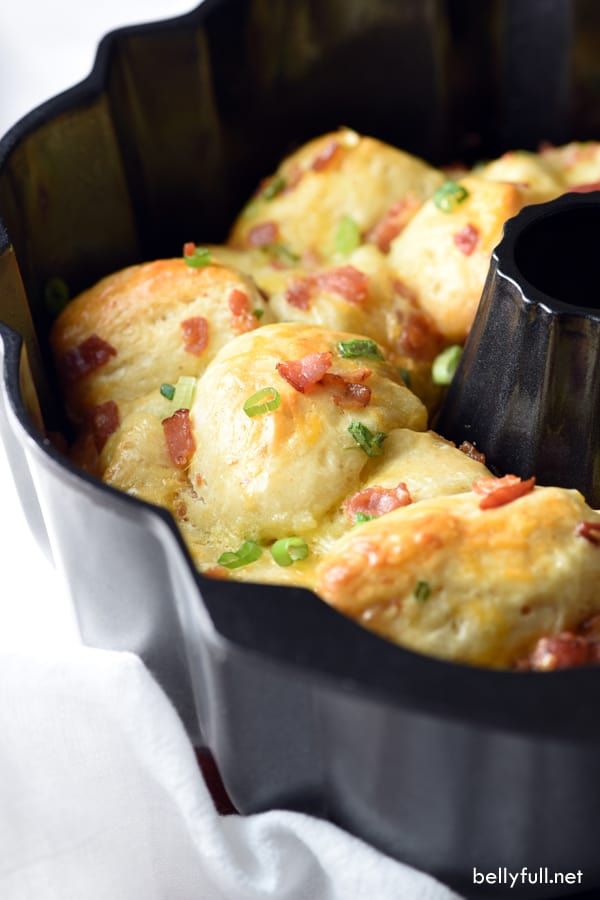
46,46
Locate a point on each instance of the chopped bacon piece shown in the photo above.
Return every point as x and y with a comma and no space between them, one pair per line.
467,239
263,234
585,188
293,176
88,356
348,282
326,157
472,452
179,437
195,335
377,501
239,304
403,290
393,222
499,491
299,292
303,374
590,531
104,420
189,248
562,651
419,338
348,391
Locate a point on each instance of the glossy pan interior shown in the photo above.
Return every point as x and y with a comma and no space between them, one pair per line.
440,765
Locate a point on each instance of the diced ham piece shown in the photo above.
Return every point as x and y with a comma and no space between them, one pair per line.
500,491
292,178
303,374
242,317
88,356
179,437
105,420
326,157
472,452
348,282
263,234
590,531
377,501
396,218
467,239
195,335
562,651
347,390
419,337
585,188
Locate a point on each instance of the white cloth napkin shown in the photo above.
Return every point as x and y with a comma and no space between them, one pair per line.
101,798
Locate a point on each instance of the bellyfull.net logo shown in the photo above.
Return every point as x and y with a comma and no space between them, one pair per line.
507,878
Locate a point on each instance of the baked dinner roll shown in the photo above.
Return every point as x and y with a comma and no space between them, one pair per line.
146,325
337,189
443,254
284,425
480,586
535,173
577,162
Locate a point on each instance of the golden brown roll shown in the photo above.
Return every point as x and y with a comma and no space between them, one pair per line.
336,181
146,325
474,585
443,254
279,471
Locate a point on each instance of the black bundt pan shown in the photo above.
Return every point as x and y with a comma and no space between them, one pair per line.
443,766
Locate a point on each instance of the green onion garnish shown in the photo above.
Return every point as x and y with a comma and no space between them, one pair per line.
445,365
258,313
263,401
366,440
449,196
248,553
347,236
405,376
56,295
275,186
366,348
361,517
422,591
168,391
199,258
183,396
282,254
289,550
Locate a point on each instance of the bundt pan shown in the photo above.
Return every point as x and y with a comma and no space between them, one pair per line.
440,765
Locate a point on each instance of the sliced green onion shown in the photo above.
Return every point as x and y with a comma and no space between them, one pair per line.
263,401
405,376
258,313
422,591
445,365
248,553
367,440
168,391
275,186
282,254
289,550
184,392
449,196
56,295
347,236
361,517
353,349
199,258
